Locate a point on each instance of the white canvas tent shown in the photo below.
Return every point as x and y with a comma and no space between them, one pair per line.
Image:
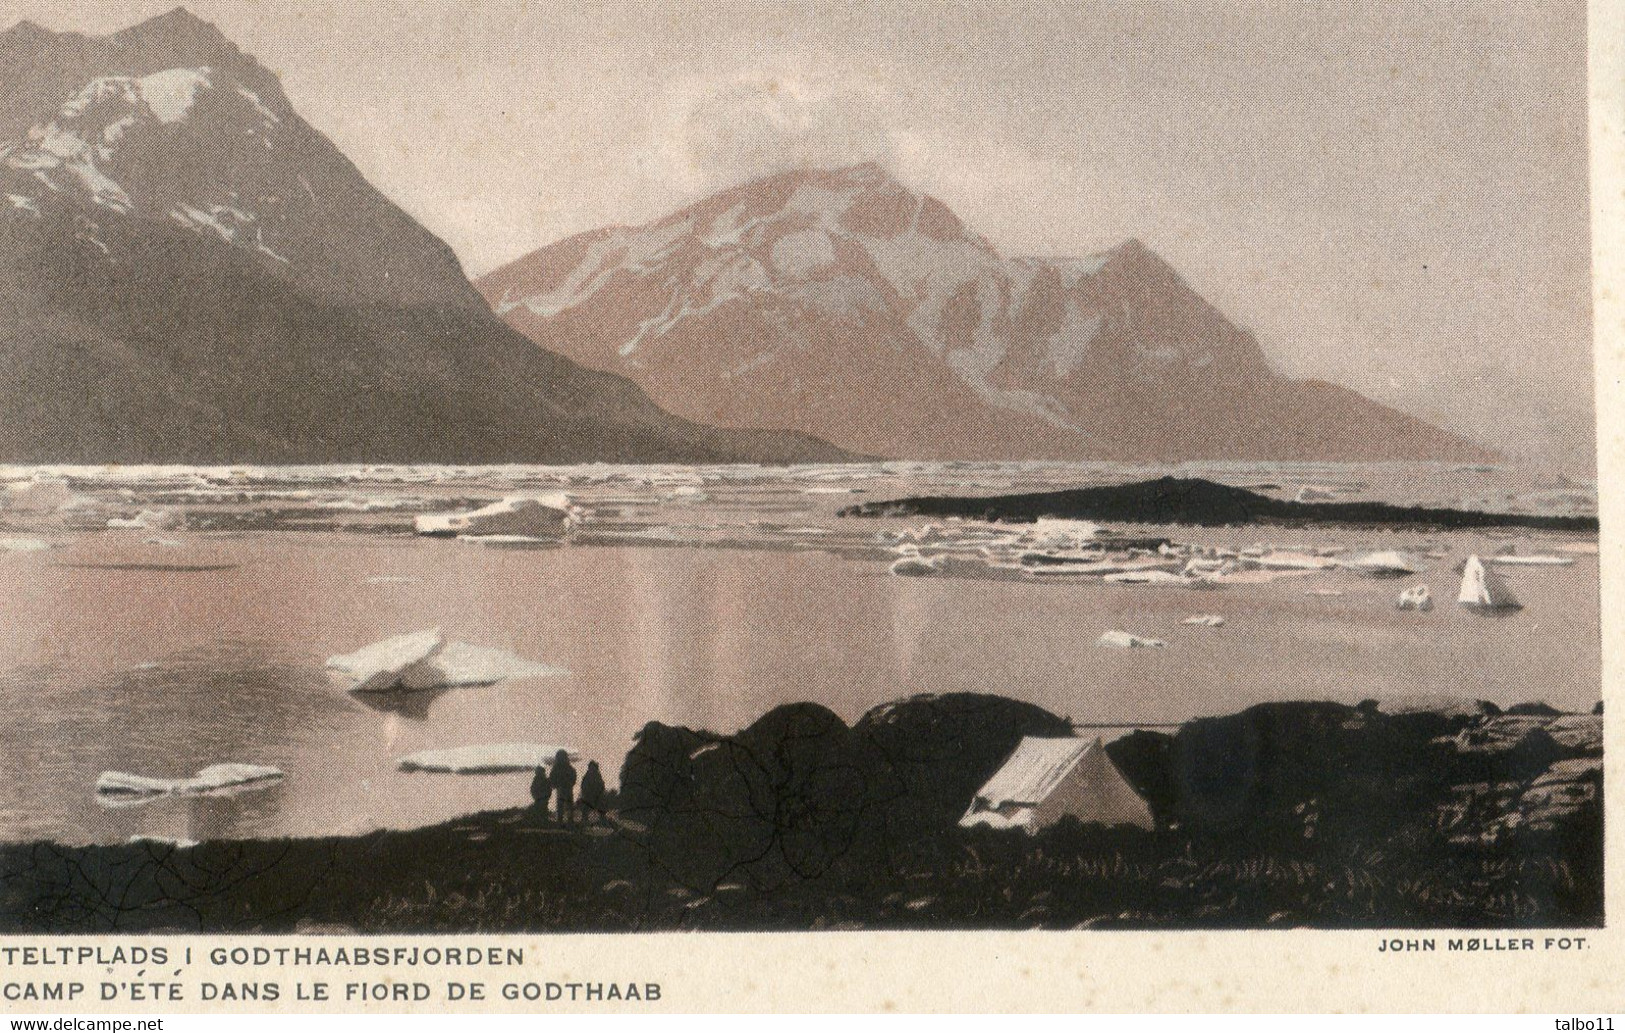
1046,779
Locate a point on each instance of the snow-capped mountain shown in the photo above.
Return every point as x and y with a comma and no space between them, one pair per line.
198,274
875,318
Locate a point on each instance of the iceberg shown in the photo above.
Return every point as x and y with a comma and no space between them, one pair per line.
1061,527
916,566
1419,599
1314,493
424,660
1205,620
1272,560
489,759
384,665
24,545
39,495
146,520
1483,589
459,664
1123,640
115,787
546,516
1154,577
1388,563
1531,561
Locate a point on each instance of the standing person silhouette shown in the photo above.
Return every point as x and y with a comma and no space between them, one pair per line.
563,779
540,790
592,792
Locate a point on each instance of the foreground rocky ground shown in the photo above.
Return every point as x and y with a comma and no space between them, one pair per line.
1433,814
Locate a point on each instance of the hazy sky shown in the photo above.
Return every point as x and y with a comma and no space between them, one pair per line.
1392,196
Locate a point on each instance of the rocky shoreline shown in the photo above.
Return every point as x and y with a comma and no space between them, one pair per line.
1412,814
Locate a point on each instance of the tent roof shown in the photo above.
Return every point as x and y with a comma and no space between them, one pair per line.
1034,770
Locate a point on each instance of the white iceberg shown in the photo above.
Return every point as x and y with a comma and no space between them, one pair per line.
490,759
1154,577
1483,589
1531,561
39,495
146,520
1387,563
24,545
538,516
1419,599
917,566
1123,640
424,660
114,787
1273,560
461,664
1205,620
384,665
1314,493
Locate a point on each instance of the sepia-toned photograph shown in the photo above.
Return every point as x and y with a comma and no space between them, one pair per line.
522,467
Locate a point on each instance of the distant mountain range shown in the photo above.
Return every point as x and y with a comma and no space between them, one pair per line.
849,307
191,273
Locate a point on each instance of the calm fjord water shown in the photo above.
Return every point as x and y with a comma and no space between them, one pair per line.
692,596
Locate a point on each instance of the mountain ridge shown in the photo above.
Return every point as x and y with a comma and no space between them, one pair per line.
753,302
198,275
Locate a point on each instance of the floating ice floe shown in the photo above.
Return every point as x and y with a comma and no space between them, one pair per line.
1100,568
382,666
1314,493
1482,589
1123,640
546,516
146,520
490,759
1512,560
1061,532
24,545
1419,598
424,660
917,566
1156,577
39,495
1204,620
1387,563
460,664
1327,593
1273,560
114,787
1579,548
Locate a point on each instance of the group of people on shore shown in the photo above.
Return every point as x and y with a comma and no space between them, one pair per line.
559,784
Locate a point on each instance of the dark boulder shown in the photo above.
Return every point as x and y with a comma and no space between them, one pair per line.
1145,760
929,754
1279,767
782,798
657,775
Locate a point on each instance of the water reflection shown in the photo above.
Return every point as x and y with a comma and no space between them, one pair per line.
162,673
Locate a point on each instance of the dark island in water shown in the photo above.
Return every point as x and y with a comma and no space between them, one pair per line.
1428,814
1194,500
